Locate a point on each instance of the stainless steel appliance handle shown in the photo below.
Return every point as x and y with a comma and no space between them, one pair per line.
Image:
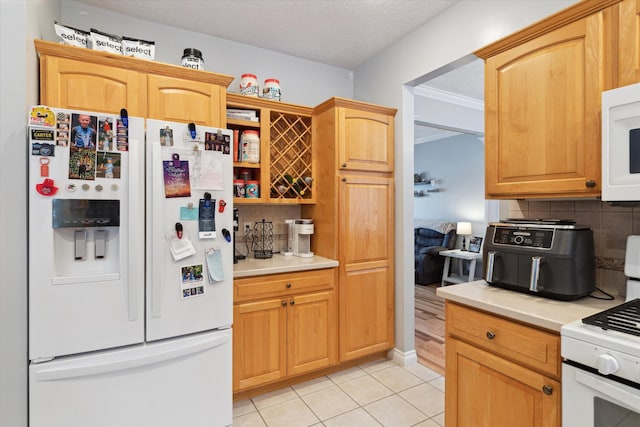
535,272
491,255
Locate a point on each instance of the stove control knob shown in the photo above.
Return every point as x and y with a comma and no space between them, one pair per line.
607,364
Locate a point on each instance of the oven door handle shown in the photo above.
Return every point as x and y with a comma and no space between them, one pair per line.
608,390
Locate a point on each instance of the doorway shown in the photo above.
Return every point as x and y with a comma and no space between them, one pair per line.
449,153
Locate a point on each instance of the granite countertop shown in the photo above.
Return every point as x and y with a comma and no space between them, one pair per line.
542,312
280,264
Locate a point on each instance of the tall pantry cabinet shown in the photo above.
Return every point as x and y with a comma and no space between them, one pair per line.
85,79
354,218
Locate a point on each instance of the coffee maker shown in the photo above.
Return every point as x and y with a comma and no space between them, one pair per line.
302,231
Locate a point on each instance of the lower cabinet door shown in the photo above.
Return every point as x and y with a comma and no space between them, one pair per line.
366,312
259,344
311,332
486,390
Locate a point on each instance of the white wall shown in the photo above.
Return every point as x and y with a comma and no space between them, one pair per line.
303,82
461,29
440,108
18,85
457,164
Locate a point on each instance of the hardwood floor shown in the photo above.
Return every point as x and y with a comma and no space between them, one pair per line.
429,312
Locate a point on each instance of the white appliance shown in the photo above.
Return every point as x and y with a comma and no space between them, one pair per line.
632,267
601,366
621,144
129,325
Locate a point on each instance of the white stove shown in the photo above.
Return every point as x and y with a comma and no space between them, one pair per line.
601,362
608,342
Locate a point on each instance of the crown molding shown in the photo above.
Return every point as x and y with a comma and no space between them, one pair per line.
449,97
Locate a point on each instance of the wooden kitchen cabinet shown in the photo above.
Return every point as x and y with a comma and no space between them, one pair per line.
365,139
499,373
286,169
284,325
355,221
542,105
84,79
366,265
178,99
628,42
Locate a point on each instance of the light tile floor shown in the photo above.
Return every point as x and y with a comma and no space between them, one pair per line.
379,393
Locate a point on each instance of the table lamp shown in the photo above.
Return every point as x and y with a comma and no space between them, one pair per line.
464,229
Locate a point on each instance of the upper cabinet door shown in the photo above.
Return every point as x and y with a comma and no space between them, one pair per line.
182,100
629,43
542,106
365,140
79,85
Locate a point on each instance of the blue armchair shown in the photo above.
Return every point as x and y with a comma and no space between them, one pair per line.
428,243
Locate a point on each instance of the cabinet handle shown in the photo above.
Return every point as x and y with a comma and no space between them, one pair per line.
288,285
344,179
284,303
590,183
490,335
344,165
292,302
547,389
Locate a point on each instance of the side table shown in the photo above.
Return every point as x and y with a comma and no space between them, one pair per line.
448,277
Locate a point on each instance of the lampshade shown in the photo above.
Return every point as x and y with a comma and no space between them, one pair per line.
464,228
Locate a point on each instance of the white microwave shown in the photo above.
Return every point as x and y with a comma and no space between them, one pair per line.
621,144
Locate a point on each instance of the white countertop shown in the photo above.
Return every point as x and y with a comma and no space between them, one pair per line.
279,264
542,312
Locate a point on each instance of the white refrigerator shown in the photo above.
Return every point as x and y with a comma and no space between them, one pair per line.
130,271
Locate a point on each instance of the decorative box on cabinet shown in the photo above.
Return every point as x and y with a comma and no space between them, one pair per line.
284,325
286,169
499,373
85,79
542,105
355,221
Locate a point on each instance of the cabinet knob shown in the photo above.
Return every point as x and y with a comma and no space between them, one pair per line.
490,335
547,389
288,285
590,183
292,302
344,165
284,303
344,179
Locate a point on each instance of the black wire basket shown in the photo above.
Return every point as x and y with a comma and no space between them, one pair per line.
262,239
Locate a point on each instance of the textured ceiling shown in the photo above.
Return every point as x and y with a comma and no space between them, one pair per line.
344,33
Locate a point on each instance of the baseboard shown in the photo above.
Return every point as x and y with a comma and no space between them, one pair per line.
403,359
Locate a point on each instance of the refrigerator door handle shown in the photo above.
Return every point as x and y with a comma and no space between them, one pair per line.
136,238
104,365
156,194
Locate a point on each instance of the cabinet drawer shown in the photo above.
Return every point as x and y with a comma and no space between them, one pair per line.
275,285
523,344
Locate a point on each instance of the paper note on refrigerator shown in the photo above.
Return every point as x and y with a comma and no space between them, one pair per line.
210,175
214,265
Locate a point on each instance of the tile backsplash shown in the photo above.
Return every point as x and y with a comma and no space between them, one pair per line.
610,224
275,214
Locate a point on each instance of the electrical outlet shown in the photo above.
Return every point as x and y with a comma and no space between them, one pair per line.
247,229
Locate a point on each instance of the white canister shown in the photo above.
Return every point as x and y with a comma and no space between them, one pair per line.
271,89
249,85
250,146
